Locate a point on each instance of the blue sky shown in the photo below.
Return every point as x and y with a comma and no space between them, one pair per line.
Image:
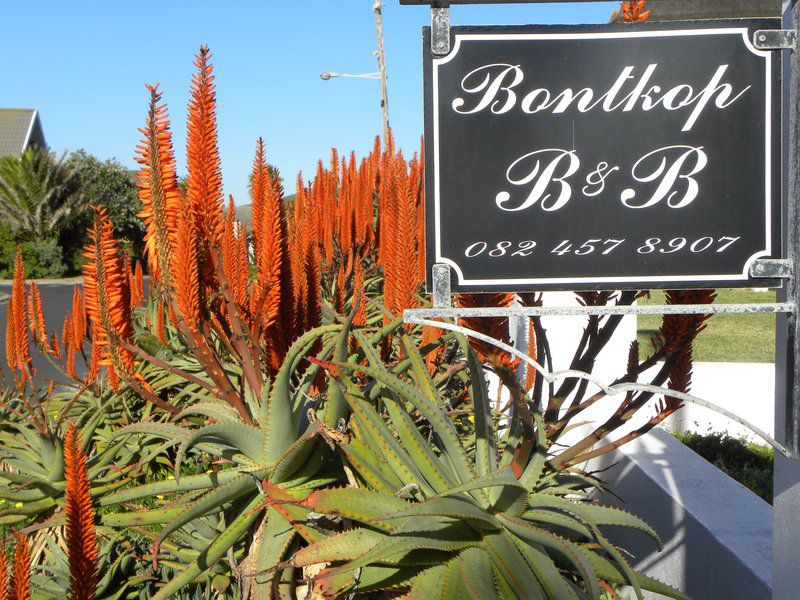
84,64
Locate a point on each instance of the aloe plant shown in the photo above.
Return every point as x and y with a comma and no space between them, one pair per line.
460,516
206,517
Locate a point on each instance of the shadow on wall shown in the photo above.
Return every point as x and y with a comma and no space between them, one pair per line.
717,534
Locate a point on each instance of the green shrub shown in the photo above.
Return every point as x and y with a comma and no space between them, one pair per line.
7,248
44,259
746,462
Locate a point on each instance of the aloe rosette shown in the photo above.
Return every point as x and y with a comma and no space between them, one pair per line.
445,515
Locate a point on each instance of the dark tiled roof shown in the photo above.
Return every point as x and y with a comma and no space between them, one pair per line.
16,125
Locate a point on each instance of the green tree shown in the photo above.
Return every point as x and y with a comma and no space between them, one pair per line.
39,194
106,183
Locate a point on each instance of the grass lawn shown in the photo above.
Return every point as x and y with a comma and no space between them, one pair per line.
727,338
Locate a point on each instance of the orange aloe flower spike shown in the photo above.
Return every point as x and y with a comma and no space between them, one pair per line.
79,330
137,285
96,356
55,347
158,187
185,270
258,192
633,11
11,340
36,316
4,583
81,537
107,298
21,570
18,309
204,178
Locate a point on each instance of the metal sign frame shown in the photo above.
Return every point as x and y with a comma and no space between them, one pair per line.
481,189
787,268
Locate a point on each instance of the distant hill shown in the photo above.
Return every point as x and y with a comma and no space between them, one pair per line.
244,211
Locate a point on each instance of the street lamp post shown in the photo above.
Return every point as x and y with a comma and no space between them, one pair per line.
381,55
379,76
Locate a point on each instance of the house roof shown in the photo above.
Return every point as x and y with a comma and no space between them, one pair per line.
17,128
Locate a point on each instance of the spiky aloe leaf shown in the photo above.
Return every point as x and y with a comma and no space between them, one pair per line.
220,412
608,571
485,443
278,423
631,577
428,584
335,404
553,544
213,501
547,574
535,468
344,546
476,573
595,514
424,533
276,537
514,573
439,478
449,507
372,426
370,579
375,472
361,505
238,438
564,525
156,516
503,478
214,551
171,486
443,427
296,457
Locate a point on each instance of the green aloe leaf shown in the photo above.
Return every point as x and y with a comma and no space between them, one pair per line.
449,507
438,475
361,505
213,552
213,500
547,573
595,514
171,486
240,438
421,534
485,443
476,572
388,448
345,546
553,544
442,425
428,584
514,573
370,467
370,579
277,536
278,421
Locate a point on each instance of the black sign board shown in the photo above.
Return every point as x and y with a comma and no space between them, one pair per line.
603,157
